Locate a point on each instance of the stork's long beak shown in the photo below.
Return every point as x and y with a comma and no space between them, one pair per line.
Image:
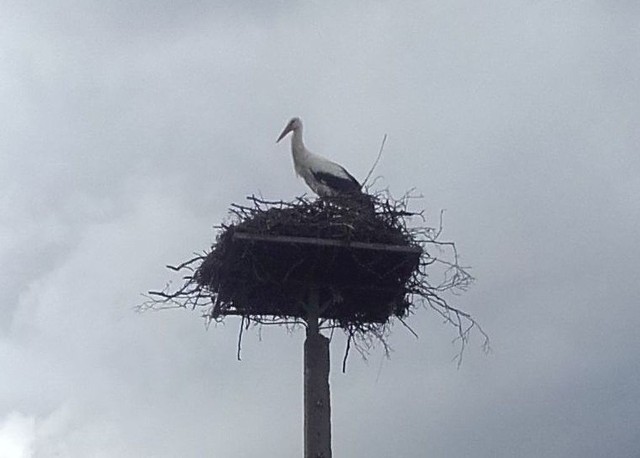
284,132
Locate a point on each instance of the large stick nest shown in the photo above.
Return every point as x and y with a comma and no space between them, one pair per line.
357,256
268,262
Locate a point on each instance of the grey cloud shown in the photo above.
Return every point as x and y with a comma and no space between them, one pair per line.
128,128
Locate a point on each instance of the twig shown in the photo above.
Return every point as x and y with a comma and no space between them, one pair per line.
409,328
240,339
346,353
384,139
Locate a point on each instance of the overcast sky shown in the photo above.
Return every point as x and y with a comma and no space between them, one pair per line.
128,127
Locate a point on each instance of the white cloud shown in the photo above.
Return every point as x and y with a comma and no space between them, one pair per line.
17,433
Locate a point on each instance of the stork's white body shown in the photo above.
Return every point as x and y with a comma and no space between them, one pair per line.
324,177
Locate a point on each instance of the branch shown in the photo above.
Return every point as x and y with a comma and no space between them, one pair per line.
384,139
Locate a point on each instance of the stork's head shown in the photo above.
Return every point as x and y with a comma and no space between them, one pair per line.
293,124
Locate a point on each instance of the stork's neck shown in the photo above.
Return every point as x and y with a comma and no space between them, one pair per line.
297,145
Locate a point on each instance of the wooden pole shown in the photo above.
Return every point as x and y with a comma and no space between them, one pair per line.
317,400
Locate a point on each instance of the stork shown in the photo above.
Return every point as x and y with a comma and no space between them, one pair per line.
324,177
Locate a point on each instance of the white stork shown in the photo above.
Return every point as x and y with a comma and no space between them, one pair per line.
324,177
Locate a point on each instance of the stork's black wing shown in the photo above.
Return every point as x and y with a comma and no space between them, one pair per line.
345,184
